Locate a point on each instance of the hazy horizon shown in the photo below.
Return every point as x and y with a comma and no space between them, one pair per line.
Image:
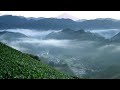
78,14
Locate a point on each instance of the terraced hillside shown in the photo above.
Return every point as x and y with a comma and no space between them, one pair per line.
17,65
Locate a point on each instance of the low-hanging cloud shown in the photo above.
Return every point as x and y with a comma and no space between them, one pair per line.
85,58
31,32
107,33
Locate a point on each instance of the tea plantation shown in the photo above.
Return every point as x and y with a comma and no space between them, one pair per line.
17,65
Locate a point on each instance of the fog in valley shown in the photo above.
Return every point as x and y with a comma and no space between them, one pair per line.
83,58
106,33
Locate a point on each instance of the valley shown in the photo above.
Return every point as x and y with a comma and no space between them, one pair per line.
81,56
63,47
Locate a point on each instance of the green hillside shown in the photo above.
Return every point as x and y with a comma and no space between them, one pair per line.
17,65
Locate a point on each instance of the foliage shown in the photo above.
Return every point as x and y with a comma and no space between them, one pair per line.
17,65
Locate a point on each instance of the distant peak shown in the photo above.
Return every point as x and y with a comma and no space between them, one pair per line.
67,16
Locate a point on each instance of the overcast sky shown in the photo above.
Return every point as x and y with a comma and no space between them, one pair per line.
78,14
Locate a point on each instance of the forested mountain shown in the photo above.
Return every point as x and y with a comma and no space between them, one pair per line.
72,34
11,36
9,21
116,38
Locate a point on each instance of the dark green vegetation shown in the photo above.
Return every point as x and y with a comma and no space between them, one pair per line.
17,65
33,56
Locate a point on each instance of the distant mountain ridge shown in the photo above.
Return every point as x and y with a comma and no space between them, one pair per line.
72,34
11,36
10,22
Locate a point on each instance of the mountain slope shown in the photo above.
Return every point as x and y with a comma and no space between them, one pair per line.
15,64
116,38
6,36
72,34
12,34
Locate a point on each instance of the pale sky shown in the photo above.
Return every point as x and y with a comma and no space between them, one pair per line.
78,14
